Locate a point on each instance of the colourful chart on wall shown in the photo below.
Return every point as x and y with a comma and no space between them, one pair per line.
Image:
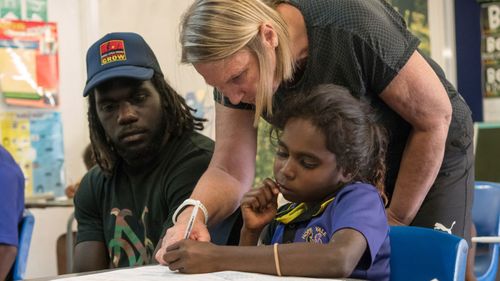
29,73
35,140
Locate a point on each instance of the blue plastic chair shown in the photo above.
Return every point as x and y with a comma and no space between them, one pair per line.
419,253
486,218
25,233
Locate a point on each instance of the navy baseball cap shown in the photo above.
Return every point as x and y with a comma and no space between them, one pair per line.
120,54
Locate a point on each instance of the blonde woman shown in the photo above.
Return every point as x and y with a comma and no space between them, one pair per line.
255,52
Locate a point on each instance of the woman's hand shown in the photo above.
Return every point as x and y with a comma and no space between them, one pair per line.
259,206
176,233
189,256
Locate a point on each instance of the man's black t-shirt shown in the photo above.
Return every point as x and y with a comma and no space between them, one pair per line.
131,210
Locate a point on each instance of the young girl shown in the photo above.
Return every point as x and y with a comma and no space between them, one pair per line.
330,164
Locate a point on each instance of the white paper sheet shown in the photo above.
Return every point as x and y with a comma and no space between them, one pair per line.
158,272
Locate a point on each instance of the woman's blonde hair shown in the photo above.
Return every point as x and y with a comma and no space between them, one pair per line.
213,30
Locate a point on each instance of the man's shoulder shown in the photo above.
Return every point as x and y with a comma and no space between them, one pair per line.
193,142
95,172
11,176
94,179
201,141
5,155
186,154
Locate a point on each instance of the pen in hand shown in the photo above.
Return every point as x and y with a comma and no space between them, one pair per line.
191,222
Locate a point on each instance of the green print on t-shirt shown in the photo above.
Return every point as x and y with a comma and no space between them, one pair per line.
132,244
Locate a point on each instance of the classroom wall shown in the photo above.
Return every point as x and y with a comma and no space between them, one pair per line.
158,22
71,74
81,22
51,222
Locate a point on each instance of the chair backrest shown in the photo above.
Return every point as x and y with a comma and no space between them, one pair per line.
486,218
419,253
25,233
486,208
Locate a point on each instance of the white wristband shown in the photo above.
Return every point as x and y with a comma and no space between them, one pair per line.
190,202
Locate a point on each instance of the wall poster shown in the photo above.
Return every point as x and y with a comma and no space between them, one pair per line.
29,72
490,49
35,140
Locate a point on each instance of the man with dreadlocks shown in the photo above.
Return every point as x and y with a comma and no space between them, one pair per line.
148,155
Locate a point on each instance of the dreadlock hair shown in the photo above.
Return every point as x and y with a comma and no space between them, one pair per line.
88,157
178,118
349,126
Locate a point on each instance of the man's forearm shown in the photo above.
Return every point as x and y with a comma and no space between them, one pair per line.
90,256
419,168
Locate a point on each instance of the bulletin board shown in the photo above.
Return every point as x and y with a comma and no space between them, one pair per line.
30,127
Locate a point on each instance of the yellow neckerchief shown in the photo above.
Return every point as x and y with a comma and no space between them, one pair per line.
290,215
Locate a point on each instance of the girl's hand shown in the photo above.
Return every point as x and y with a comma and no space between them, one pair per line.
190,256
259,206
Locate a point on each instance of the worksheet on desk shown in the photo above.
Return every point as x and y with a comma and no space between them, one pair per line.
158,272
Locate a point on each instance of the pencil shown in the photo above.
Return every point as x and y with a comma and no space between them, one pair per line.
191,222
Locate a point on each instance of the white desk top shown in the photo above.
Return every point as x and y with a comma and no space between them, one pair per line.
158,272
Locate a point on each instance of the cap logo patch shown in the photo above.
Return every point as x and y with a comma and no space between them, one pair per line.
112,51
